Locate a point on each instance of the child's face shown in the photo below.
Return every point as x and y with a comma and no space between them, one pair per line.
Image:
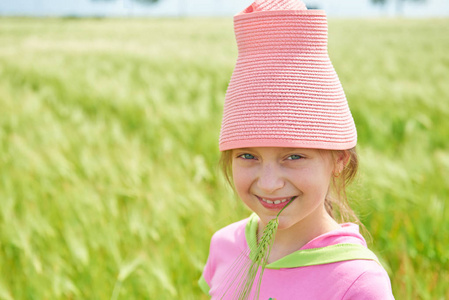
266,179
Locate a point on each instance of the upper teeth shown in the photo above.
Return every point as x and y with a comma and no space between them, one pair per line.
275,202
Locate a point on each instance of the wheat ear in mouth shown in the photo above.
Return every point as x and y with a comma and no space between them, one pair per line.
259,258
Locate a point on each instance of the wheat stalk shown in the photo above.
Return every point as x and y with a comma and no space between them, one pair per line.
258,260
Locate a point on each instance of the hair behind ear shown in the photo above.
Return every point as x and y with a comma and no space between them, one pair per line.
346,165
226,165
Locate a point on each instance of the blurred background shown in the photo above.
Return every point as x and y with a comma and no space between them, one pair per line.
109,186
106,8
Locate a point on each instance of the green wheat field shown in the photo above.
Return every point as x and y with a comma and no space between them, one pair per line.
109,185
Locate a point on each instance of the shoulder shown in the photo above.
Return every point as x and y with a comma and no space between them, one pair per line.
226,244
358,278
233,234
370,281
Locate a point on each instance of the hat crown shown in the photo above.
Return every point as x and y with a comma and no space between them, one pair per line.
284,91
270,5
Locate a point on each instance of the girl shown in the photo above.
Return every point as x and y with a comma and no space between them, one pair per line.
288,145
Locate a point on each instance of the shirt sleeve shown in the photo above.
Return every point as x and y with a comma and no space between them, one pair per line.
370,285
205,279
204,286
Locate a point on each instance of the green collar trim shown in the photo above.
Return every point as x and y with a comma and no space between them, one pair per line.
311,257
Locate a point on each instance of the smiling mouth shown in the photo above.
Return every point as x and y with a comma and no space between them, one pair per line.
277,201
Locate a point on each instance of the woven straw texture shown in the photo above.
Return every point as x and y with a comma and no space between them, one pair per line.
284,91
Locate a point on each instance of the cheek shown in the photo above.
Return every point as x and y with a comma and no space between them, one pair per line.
242,179
239,177
314,180
323,184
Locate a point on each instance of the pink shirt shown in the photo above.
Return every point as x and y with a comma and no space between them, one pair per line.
350,279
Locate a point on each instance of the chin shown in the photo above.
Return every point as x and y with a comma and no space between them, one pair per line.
283,224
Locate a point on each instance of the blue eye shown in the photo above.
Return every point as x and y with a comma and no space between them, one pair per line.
294,157
247,156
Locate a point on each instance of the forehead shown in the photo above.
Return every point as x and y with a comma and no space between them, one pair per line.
280,150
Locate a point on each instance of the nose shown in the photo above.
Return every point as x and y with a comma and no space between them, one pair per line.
270,179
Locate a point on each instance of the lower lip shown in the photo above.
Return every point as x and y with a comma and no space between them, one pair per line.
273,206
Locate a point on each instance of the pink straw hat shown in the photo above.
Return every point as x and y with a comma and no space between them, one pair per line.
284,91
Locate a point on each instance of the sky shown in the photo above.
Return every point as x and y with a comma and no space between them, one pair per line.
334,8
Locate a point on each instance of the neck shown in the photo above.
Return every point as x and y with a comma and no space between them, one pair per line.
293,238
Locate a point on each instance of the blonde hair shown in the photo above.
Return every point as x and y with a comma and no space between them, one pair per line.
336,202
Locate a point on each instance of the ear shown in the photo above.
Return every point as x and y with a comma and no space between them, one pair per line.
341,160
